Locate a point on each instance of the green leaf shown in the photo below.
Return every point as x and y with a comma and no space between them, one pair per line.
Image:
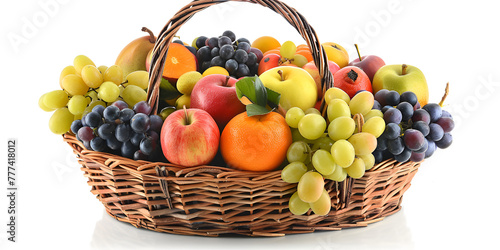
273,98
167,91
253,89
254,109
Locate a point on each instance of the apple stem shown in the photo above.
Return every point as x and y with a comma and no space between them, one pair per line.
446,92
281,74
403,71
152,38
357,50
227,81
186,117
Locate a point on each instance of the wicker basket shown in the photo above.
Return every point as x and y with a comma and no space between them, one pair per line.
214,200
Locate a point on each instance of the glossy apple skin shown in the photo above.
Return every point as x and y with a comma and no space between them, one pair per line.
311,68
390,77
216,94
189,142
297,88
369,64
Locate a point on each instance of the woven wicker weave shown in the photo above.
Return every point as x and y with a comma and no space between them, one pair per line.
215,200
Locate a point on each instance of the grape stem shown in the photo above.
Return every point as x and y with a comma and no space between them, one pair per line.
357,50
359,119
152,38
446,92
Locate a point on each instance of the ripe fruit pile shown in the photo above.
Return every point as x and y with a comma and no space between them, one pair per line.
84,86
257,123
131,133
346,150
412,133
236,56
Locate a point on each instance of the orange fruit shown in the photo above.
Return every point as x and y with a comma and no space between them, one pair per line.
265,43
255,143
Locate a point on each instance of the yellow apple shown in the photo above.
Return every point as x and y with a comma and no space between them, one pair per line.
296,86
336,53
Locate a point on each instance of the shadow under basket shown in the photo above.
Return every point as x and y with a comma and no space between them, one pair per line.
213,201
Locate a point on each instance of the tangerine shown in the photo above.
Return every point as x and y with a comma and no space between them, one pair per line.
255,143
265,43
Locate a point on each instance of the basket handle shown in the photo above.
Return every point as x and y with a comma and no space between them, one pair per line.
290,14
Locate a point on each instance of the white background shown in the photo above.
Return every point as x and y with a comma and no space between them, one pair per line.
453,200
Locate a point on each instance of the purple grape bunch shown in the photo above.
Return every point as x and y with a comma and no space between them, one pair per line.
412,133
235,55
117,129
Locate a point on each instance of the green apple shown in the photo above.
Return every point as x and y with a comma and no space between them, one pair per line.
296,86
402,78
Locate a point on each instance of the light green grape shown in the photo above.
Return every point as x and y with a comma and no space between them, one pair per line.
312,126
288,49
341,128
312,111
339,174
373,113
310,186
343,153
323,142
138,78
361,103
55,99
336,93
293,116
77,104
299,60
60,121
133,94
42,105
297,206
74,85
338,108
92,94
364,143
357,168
323,205
113,74
323,162
92,76
368,159
68,70
293,172
297,151
374,126
102,68
109,92
81,61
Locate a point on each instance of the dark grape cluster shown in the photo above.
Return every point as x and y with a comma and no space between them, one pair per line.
117,129
412,132
235,55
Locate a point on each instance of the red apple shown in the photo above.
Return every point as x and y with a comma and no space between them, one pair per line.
369,64
189,137
311,68
216,94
